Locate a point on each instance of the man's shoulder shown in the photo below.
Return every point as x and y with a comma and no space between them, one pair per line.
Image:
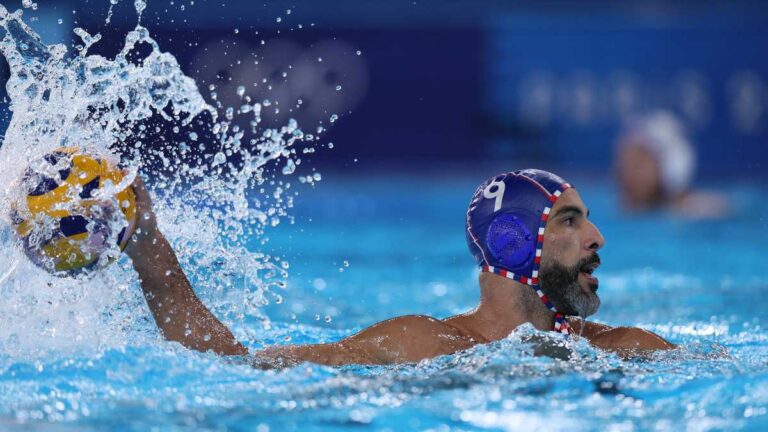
587,329
619,338
416,325
410,338
630,338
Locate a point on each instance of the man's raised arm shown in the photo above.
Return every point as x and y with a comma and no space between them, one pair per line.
183,318
177,310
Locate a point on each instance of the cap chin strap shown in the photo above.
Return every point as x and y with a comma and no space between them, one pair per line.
561,323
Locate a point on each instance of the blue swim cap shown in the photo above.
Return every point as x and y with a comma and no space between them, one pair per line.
506,220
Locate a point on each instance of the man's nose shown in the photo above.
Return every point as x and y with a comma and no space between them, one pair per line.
595,239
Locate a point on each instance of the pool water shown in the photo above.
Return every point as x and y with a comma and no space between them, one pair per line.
366,247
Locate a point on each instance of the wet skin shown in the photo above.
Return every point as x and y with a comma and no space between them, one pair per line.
504,305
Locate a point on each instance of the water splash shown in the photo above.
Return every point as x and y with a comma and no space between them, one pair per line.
210,203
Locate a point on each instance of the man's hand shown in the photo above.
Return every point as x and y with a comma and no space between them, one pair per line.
146,222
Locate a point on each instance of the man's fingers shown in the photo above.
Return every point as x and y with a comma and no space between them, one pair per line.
144,207
143,200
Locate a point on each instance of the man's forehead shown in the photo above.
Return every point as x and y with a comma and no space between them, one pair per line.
570,198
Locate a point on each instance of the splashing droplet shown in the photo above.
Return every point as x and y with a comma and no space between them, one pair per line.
290,167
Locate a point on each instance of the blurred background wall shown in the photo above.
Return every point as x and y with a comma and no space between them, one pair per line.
439,81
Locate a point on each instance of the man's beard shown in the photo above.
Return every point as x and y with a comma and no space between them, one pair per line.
561,285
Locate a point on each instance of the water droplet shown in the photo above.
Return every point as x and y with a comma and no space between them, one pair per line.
289,168
279,19
358,52
237,31
334,118
219,159
338,87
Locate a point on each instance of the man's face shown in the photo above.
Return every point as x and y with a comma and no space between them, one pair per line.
639,176
569,256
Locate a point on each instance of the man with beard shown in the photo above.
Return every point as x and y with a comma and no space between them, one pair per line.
528,230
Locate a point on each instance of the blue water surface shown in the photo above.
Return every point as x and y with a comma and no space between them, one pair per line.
368,247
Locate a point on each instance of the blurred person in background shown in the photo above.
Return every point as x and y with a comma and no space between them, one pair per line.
655,164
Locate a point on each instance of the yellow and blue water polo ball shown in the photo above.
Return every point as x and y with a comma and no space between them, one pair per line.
71,218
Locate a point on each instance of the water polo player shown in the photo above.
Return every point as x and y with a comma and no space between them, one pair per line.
529,232
655,165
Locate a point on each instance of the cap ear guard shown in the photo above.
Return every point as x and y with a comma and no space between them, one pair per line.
510,242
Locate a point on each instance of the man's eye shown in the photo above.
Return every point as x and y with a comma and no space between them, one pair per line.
568,221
